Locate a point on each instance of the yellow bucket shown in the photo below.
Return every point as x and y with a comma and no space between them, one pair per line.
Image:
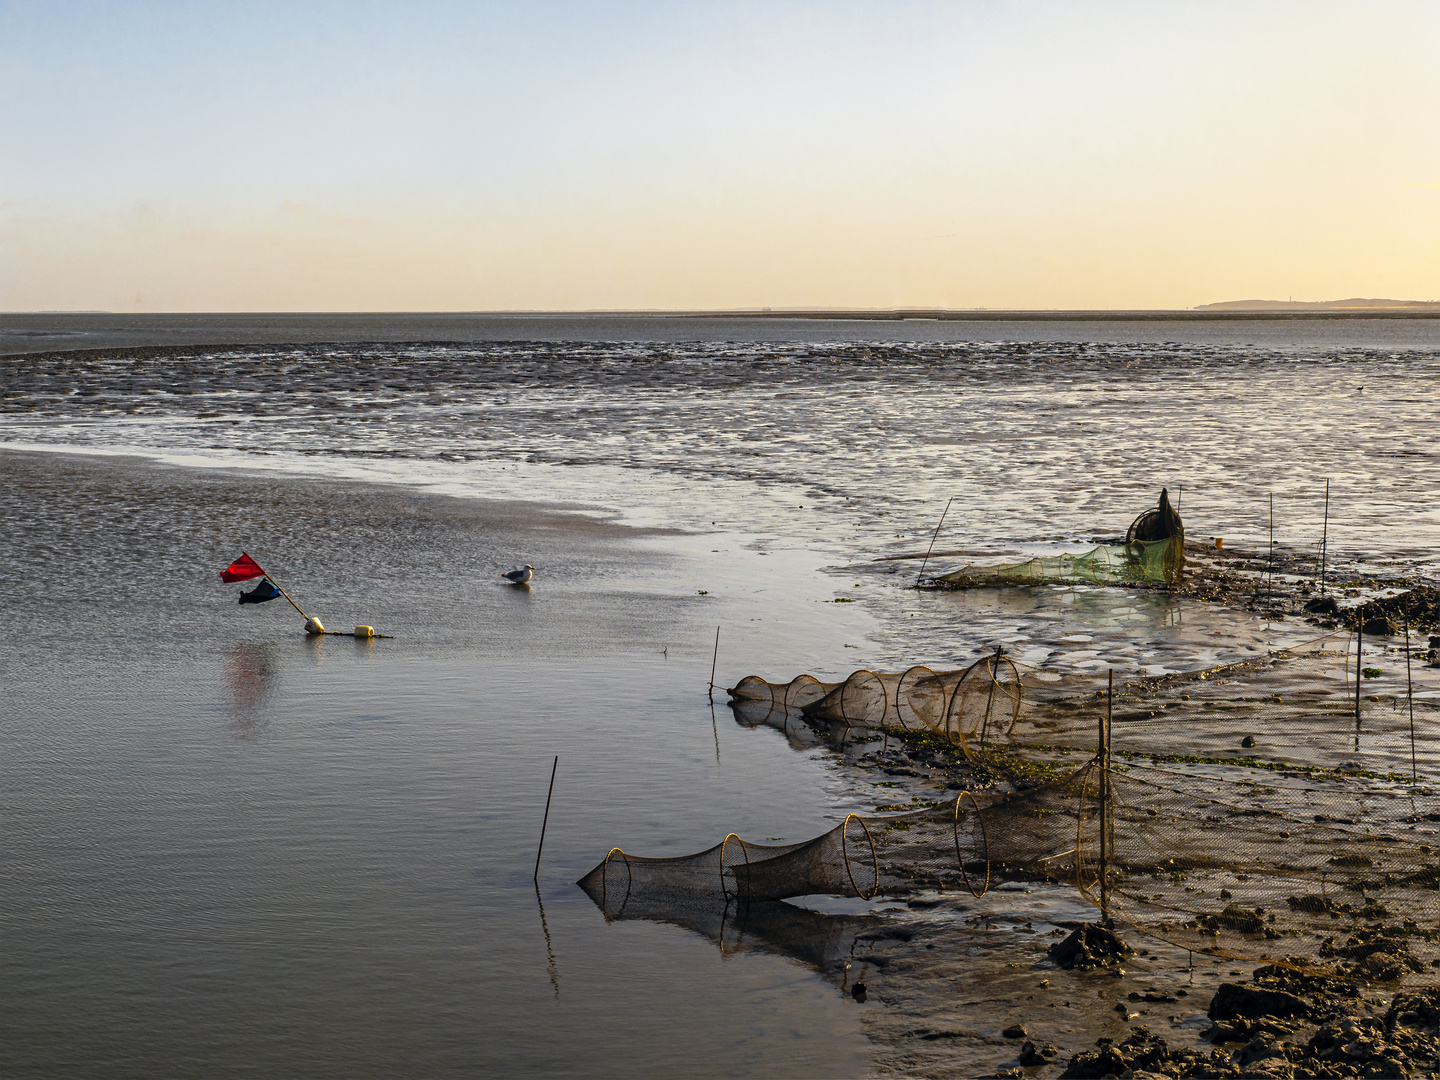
1219,542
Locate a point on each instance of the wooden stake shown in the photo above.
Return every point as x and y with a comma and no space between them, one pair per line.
1410,694
713,661
921,576
544,824
1325,538
1359,638
1104,756
1270,559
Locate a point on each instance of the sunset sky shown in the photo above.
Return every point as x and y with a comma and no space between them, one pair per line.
436,156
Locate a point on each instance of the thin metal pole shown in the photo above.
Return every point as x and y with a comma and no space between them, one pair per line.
544,824
1325,538
1410,694
1270,559
1359,638
715,659
285,594
921,576
1104,756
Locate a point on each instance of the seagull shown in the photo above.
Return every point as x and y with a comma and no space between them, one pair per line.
520,577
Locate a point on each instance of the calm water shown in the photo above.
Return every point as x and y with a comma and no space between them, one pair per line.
232,849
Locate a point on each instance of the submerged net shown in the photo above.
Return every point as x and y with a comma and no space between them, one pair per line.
1313,851
1136,562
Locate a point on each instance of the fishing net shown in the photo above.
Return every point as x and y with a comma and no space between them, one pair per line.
967,706
1312,849
1136,562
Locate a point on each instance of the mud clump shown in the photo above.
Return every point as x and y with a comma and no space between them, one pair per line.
1233,1000
1377,955
1387,616
1402,1044
1362,1046
1140,1052
1090,946
1032,1053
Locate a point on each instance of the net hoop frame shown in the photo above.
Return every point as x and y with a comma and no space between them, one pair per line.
800,680
845,853
851,678
989,665
605,878
984,839
735,692
744,850
920,672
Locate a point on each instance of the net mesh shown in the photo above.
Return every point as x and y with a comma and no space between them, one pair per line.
1109,564
966,706
1313,850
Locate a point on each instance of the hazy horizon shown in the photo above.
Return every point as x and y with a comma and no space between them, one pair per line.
722,157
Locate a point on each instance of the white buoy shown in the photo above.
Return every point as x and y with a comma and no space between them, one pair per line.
314,627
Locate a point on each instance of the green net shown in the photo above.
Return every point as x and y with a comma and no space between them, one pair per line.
1159,561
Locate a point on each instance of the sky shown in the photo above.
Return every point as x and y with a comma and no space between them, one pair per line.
427,156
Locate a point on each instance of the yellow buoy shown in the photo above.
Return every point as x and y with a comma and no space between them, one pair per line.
364,631
314,627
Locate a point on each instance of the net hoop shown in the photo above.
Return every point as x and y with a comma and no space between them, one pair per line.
845,853
748,689
967,690
799,682
858,679
744,850
908,679
605,878
984,840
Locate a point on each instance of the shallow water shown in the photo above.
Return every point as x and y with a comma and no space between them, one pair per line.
849,446
232,847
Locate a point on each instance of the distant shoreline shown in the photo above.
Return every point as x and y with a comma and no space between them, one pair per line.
1274,310
38,333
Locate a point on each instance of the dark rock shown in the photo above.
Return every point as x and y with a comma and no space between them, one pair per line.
1015,1031
1379,626
1041,1054
1415,1008
1232,1000
1248,741
1139,1053
1258,1049
1090,946
1322,605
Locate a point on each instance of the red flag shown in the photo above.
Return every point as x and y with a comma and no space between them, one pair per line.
242,569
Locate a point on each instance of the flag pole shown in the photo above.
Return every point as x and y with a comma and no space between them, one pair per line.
285,594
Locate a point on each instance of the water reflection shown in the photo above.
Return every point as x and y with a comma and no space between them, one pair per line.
251,674
824,942
550,966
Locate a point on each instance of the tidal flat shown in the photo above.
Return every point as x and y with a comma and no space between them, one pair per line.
234,848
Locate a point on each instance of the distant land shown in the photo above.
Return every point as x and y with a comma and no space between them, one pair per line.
1353,304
